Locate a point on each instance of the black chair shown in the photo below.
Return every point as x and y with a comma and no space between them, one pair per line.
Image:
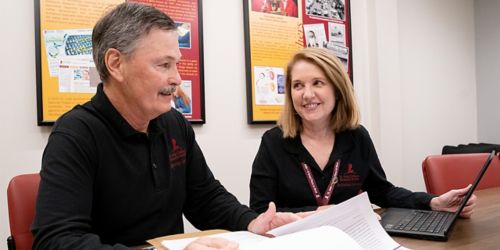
470,148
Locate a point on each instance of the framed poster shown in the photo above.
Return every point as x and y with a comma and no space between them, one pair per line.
65,71
274,31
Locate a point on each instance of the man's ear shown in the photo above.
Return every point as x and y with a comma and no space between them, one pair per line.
113,59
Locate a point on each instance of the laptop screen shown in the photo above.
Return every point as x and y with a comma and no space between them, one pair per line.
474,185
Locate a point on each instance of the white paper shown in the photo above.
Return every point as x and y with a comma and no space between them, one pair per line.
354,216
319,238
243,238
349,225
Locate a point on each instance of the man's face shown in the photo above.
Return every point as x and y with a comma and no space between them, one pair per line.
149,71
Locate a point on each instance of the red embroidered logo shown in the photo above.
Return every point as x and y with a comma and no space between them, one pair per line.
177,155
350,178
349,169
174,144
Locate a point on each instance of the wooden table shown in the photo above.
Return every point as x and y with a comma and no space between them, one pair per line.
482,231
157,241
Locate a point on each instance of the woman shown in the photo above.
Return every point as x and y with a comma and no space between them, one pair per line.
319,146
312,41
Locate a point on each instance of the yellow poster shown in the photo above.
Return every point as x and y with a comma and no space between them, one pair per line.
66,72
274,37
274,31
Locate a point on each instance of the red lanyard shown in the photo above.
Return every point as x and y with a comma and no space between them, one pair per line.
321,201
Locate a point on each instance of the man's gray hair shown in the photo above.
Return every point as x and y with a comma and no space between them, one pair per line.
122,28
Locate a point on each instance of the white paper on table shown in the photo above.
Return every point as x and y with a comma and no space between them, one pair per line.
319,238
242,237
349,225
355,217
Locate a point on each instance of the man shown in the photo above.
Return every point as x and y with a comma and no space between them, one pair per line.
121,168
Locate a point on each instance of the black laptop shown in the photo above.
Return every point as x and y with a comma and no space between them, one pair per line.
426,224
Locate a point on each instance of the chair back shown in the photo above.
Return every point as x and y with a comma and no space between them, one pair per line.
21,198
445,172
470,148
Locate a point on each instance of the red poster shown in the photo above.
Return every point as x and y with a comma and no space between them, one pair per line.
66,78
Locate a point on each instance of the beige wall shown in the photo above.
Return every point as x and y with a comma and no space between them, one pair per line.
413,63
488,60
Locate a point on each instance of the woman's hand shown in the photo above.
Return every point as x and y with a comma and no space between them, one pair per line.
451,200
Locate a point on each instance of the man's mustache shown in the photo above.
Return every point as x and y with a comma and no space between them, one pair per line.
168,90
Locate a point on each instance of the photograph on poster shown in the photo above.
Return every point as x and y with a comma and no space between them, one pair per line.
289,8
66,43
184,31
336,33
69,58
341,52
315,35
182,97
54,47
269,85
74,75
331,9
259,5
278,7
78,44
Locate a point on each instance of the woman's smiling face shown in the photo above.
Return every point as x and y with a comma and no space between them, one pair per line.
313,95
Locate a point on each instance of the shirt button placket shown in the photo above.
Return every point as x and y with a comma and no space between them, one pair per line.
156,177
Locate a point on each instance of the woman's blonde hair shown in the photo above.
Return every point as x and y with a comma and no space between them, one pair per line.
345,114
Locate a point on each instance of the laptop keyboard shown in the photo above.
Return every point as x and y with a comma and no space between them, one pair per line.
423,221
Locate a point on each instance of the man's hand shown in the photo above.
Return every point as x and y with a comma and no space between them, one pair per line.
271,219
212,243
451,200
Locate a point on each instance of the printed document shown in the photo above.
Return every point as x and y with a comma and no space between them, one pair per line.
349,225
355,217
319,238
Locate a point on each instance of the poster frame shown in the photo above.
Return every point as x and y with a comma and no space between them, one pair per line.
197,115
249,54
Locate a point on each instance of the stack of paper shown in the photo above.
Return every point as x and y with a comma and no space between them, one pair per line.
349,225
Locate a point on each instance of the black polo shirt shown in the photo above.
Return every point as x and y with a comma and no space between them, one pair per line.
277,174
105,183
